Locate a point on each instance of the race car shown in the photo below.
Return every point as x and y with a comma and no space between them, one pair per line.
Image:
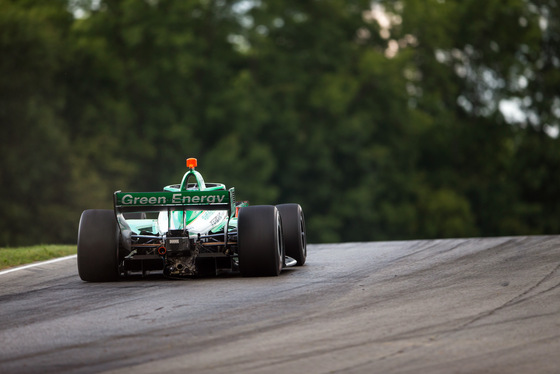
189,229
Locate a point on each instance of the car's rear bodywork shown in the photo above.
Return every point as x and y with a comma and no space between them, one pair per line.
191,228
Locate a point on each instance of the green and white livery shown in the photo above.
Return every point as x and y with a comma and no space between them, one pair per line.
189,229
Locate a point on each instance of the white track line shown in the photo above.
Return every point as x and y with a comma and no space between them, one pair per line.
37,264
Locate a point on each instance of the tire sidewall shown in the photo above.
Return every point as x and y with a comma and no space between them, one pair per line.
98,244
260,241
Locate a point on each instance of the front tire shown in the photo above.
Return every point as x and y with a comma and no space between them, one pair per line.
293,223
260,241
98,259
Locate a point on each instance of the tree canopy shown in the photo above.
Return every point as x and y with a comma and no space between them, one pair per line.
384,119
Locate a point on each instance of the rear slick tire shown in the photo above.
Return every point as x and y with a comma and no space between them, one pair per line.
260,241
293,223
98,259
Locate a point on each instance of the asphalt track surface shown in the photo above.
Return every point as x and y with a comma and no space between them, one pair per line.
436,306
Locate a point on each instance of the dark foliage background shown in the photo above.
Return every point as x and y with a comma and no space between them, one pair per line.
384,120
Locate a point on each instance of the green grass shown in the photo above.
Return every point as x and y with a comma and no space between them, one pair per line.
11,257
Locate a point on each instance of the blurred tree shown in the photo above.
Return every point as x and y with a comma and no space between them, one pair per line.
385,120
481,56
34,147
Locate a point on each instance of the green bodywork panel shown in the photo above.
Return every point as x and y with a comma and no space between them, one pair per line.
167,198
184,204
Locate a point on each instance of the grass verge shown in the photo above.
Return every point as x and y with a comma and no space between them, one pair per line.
11,257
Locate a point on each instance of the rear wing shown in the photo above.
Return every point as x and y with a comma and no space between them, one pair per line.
181,200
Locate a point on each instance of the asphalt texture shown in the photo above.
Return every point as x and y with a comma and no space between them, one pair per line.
487,305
